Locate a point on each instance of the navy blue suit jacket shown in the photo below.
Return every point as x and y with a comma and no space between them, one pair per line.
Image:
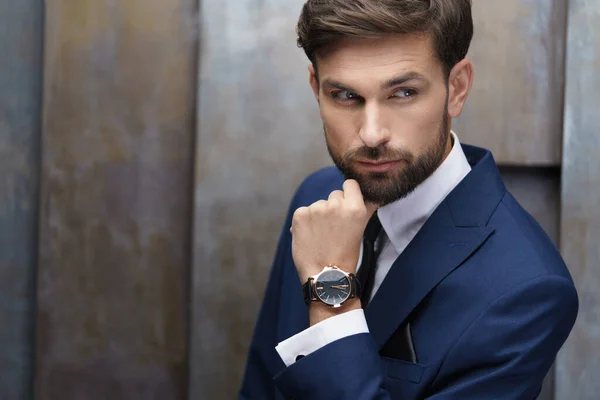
489,299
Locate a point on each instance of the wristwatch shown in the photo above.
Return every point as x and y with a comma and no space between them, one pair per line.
331,286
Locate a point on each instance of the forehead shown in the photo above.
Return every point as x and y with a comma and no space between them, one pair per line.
378,59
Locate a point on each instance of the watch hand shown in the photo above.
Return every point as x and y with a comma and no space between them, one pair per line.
339,286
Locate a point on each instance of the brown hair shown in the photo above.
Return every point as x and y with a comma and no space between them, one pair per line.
449,22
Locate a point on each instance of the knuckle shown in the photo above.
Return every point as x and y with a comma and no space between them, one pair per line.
318,207
334,203
300,214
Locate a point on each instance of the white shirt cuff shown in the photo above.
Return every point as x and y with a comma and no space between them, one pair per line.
321,334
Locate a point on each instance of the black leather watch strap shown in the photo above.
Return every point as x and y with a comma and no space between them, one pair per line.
356,286
307,291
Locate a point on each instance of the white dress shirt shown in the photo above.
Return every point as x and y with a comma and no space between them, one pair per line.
400,220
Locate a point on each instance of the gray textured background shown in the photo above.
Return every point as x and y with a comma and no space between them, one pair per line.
116,200
21,36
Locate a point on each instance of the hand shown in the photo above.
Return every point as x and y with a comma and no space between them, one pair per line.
330,232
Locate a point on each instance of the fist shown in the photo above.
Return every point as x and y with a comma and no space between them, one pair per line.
329,232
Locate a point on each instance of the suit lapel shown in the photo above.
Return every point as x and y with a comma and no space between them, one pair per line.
434,252
457,228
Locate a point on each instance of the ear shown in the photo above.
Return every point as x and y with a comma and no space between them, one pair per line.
312,78
459,85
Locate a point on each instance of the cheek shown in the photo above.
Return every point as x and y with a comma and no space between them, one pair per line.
340,125
416,126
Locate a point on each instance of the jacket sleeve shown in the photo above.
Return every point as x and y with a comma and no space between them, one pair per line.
347,369
504,354
508,350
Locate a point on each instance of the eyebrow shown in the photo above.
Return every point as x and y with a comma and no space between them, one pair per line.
386,85
338,85
411,76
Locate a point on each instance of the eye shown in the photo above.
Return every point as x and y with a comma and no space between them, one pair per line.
344,95
404,93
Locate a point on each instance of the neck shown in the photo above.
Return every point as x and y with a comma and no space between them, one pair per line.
448,147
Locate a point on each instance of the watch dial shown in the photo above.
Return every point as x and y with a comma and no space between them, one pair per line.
332,287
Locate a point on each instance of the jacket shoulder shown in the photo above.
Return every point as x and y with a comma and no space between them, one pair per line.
530,238
518,251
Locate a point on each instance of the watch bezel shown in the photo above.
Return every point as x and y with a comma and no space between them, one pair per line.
334,268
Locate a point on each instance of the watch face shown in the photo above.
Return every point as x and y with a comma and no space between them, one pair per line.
333,287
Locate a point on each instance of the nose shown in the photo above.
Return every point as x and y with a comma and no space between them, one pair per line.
374,131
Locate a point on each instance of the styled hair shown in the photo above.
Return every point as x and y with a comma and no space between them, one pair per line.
448,22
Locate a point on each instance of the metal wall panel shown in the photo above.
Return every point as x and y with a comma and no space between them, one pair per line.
516,104
579,360
118,120
259,135
20,115
538,191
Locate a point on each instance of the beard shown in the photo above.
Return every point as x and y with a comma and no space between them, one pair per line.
386,187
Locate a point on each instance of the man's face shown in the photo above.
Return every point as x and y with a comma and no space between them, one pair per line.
384,105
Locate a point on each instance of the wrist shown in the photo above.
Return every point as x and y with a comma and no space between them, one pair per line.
319,312
306,271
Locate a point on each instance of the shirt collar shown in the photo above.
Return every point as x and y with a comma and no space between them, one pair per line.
402,219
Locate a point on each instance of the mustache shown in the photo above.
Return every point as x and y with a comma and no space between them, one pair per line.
379,153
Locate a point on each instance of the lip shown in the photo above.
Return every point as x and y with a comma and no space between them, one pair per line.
382,166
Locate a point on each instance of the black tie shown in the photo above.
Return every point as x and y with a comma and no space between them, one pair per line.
366,273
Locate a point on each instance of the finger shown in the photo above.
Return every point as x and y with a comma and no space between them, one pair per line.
336,195
352,193
299,214
318,204
318,207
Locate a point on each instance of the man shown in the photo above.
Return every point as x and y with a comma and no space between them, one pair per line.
408,271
